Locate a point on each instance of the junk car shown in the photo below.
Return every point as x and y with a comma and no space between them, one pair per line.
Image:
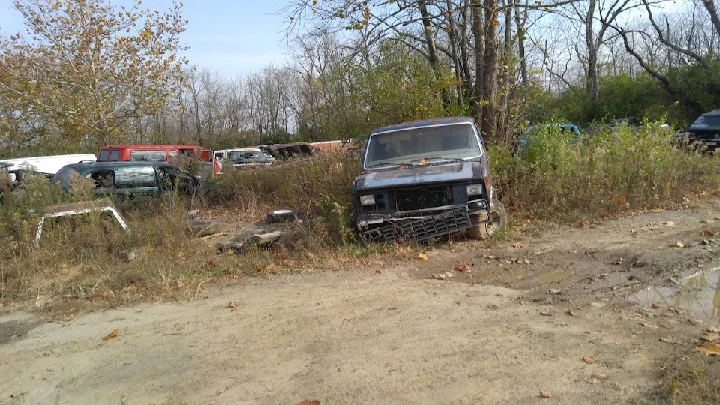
424,179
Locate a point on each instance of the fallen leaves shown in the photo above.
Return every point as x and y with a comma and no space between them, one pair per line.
518,245
678,244
443,276
232,304
571,312
655,306
597,378
312,402
545,394
112,335
461,267
710,349
423,257
130,288
707,233
589,360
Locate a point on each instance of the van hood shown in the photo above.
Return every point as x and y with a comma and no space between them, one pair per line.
442,173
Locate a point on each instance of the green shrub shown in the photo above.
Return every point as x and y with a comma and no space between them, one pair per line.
609,171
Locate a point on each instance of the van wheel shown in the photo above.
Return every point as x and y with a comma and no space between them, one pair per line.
498,221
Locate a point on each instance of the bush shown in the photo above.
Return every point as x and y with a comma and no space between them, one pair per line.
610,171
319,189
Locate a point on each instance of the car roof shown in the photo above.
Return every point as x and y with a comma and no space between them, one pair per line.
148,147
111,165
704,125
424,123
240,150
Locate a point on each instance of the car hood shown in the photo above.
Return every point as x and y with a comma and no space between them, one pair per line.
440,173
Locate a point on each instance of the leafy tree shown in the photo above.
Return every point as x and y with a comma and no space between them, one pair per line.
87,71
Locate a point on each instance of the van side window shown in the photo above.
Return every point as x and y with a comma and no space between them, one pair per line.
103,157
147,155
102,178
131,177
114,156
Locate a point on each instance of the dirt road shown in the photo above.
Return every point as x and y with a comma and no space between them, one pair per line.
569,313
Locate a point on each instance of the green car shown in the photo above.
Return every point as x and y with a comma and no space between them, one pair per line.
130,179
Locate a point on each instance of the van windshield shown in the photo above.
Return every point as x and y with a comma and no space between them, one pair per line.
455,141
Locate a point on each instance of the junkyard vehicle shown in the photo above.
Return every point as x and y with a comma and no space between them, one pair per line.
424,179
46,165
130,179
287,151
151,153
704,131
534,130
192,158
243,157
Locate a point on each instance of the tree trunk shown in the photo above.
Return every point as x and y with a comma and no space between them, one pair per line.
454,49
479,48
591,84
464,48
432,47
520,29
505,84
488,124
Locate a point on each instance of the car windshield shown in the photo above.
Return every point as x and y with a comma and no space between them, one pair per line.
455,141
243,155
706,121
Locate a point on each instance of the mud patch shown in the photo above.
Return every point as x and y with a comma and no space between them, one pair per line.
698,294
14,330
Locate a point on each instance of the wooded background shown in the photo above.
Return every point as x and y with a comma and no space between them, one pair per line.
88,72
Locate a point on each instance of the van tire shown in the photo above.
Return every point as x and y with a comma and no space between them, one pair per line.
496,222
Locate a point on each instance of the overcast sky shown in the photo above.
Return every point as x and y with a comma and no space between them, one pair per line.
231,37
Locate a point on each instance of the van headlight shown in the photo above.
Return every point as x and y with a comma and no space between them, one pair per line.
474,189
368,199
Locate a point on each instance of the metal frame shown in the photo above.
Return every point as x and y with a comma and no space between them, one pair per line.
64,210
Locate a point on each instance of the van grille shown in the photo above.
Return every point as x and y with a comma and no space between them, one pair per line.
418,199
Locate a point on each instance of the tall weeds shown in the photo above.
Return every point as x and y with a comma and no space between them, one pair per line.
610,171
555,179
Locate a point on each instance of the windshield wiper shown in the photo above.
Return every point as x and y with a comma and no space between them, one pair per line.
427,159
382,164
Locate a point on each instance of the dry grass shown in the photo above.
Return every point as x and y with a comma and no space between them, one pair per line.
607,173
89,262
694,382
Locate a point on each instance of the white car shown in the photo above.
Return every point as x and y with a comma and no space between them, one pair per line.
241,157
47,165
